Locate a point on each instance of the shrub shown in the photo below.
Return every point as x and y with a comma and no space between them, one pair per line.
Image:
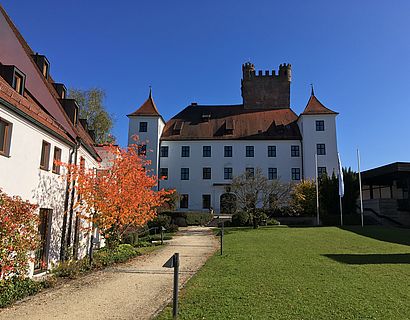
106,257
272,222
198,218
18,234
71,269
240,219
303,198
16,288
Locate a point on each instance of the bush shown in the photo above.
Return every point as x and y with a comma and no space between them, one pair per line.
273,222
71,269
303,198
17,288
198,218
105,257
240,219
18,234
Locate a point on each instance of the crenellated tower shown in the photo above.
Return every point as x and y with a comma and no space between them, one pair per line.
266,90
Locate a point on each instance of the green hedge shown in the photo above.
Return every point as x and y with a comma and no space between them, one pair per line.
16,288
189,218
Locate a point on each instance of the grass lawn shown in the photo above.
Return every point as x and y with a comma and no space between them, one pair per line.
303,273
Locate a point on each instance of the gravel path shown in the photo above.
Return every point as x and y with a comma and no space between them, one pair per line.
135,290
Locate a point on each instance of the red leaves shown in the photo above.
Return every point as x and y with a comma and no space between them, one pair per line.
18,234
120,196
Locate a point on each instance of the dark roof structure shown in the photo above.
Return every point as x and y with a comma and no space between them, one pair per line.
386,173
314,106
232,122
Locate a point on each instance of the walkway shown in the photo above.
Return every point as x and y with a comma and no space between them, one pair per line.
135,290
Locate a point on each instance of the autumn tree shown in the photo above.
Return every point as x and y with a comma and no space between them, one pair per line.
91,103
120,197
303,198
18,235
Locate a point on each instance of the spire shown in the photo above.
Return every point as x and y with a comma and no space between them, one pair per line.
313,92
150,93
148,108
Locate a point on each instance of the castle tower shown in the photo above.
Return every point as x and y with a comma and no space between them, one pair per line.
147,124
317,125
266,90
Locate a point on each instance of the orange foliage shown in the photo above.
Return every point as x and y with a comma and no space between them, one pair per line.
118,197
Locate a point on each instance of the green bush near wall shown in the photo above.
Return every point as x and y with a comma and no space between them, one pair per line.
189,218
16,288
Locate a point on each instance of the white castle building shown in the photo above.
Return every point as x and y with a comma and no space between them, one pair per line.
202,148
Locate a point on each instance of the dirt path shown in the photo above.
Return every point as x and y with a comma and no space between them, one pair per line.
135,290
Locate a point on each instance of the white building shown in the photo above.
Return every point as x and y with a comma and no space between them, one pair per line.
202,148
38,125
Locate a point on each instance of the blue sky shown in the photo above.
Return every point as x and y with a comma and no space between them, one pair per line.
356,53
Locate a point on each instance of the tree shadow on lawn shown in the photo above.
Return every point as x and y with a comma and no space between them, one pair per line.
388,234
396,258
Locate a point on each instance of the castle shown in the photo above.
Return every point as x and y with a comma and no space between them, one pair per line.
200,150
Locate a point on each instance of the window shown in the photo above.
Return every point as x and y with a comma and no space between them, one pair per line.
250,151
57,158
295,173
164,152
250,172
206,151
321,171
45,69
320,125
18,83
272,173
163,173
206,173
321,149
183,201
271,151
294,151
185,151
5,137
142,149
206,201
227,151
228,173
45,155
184,173
143,126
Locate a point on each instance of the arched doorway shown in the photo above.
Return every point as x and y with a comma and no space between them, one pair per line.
227,203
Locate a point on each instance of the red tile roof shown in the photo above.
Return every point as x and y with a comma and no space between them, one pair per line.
231,122
314,106
148,108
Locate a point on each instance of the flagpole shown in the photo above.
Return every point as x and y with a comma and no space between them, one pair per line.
317,191
360,187
341,188
341,211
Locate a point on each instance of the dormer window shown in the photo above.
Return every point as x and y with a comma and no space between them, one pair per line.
18,82
14,77
229,126
42,64
177,127
61,90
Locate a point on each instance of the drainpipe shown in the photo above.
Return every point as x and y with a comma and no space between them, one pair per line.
67,195
70,222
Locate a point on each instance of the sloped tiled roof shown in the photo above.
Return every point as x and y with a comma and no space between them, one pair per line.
314,106
39,91
148,108
231,122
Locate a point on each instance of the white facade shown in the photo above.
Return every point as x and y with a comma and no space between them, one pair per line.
136,135
312,137
283,163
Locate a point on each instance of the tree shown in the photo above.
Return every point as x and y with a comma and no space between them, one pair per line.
329,193
303,198
255,194
120,197
92,108
18,235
